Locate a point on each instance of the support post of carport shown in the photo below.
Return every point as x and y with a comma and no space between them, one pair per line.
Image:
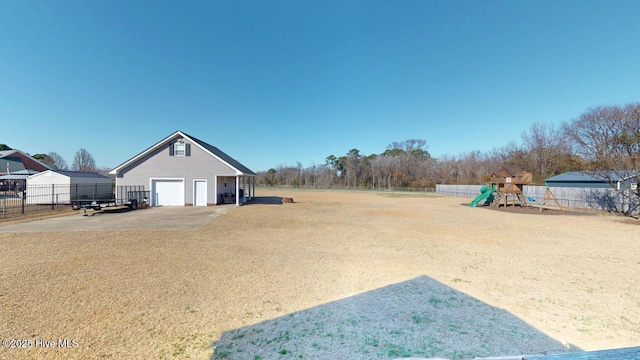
237,190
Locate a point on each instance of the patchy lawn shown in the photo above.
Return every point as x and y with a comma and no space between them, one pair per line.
350,273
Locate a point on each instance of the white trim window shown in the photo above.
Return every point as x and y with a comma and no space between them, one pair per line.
179,149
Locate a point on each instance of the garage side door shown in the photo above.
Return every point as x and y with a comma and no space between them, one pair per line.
200,193
167,193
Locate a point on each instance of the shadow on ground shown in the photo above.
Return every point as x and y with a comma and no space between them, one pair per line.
416,318
265,200
110,210
531,209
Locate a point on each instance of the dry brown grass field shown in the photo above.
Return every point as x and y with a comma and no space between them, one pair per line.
166,294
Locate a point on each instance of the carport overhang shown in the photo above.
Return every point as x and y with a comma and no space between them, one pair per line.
248,182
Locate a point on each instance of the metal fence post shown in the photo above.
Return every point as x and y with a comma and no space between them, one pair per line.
53,194
4,204
24,198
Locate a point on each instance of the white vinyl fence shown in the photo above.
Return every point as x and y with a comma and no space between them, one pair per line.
466,191
575,198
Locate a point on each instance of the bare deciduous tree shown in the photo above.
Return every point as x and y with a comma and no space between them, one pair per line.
58,161
545,147
83,161
608,138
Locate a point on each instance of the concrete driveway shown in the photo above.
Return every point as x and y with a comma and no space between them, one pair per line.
153,218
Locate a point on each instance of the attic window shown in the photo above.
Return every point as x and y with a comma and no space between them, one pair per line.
179,149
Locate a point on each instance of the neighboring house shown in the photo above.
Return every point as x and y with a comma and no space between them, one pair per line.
12,161
63,187
181,170
578,179
15,167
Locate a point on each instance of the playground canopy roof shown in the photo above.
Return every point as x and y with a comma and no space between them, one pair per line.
506,171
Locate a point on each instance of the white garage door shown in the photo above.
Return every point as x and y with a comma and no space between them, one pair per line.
167,193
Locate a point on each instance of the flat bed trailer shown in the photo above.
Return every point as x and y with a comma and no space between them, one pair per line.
131,198
97,204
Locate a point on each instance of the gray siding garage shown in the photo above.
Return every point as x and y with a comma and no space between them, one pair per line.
181,170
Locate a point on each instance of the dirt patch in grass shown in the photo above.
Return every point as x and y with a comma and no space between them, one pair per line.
630,221
563,281
536,210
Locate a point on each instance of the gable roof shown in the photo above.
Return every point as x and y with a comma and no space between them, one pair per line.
579,176
16,160
13,164
74,174
218,153
4,153
81,174
208,148
511,170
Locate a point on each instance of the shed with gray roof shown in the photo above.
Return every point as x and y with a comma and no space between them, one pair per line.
592,180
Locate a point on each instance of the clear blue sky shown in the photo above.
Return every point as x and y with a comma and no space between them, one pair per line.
280,82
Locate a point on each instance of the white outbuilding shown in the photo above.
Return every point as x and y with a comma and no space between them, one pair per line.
64,187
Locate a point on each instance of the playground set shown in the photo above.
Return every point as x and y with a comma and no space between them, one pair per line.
506,187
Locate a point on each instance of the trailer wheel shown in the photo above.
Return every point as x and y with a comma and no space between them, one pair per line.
133,204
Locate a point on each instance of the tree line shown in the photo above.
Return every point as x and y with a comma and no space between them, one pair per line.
82,161
604,140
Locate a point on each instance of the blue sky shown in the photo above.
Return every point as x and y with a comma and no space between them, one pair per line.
280,82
